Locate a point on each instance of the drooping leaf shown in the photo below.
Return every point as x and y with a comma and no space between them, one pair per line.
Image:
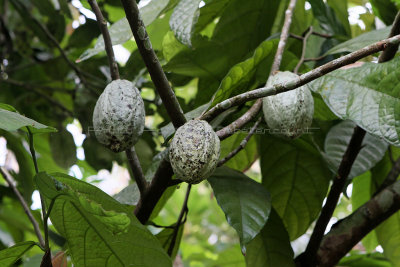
88,217
271,247
183,19
63,149
12,121
10,255
120,31
336,142
245,202
240,75
297,178
367,95
360,41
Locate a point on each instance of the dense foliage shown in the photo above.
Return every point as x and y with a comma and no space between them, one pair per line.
258,209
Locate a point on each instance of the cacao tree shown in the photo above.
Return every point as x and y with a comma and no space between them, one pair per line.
199,133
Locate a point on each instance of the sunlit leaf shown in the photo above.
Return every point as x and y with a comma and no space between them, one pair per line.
10,255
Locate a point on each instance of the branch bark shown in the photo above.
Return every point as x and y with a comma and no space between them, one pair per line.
157,74
354,147
301,80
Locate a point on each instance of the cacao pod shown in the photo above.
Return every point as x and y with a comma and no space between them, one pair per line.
118,117
194,151
289,113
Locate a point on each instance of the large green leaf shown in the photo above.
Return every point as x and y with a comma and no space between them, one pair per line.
297,178
360,41
365,260
337,141
246,203
183,19
12,121
271,247
87,217
120,31
10,255
239,76
367,95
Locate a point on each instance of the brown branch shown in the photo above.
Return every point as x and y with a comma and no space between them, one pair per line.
284,36
345,234
304,49
301,80
136,170
336,190
24,206
157,74
391,49
179,222
242,144
107,39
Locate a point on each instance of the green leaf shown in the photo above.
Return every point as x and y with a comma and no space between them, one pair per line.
336,142
183,19
239,76
271,247
246,157
360,41
245,202
12,121
367,95
63,148
297,178
361,193
385,10
365,260
87,217
10,255
120,31
388,234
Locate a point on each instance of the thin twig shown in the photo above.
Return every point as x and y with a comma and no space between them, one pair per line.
179,222
301,80
284,36
136,169
242,144
24,206
43,204
315,58
304,49
156,72
107,39
255,109
323,35
31,85
339,182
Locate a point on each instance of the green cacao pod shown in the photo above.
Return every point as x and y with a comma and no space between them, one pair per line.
194,151
118,117
289,113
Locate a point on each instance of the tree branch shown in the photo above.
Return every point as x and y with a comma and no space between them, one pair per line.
157,74
179,222
301,80
304,49
107,39
25,207
391,49
345,234
136,170
339,182
242,144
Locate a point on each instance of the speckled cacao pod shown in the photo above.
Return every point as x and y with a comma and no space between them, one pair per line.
289,113
118,117
194,151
